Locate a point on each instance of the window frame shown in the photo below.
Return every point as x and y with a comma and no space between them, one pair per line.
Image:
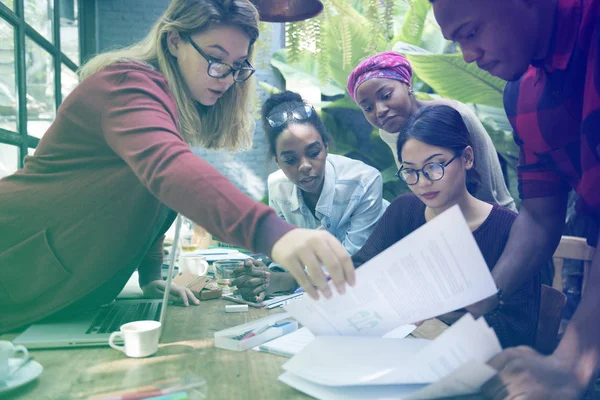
22,30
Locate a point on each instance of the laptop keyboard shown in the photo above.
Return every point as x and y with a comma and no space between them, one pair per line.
110,318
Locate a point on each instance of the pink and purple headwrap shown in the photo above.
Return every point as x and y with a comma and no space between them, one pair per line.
387,65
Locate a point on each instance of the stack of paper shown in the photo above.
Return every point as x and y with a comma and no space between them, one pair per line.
349,368
436,269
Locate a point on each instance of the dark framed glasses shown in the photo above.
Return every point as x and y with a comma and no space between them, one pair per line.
299,113
218,69
432,171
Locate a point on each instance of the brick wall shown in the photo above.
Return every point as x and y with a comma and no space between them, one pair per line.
121,23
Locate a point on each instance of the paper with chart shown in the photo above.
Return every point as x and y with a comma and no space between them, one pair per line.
436,269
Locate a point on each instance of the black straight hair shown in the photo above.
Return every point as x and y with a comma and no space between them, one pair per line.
288,101
440,126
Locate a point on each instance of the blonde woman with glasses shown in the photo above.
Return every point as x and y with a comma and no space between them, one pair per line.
92,204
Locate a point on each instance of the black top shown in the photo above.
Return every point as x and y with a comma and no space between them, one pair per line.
516,323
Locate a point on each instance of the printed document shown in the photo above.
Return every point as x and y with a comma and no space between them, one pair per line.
436,269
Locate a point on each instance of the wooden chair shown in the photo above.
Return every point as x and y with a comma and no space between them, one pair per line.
574,248
552,303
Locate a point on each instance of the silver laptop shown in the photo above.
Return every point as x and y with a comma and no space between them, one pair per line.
93,327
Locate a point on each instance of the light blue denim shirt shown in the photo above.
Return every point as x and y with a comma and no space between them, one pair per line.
349,207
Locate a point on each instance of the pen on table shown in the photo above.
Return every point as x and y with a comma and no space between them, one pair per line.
263,329
172,396
154,394
158,385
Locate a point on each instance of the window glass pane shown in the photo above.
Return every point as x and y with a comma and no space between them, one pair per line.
38,14
9,159
41,106
69,29
8,90
68,81
9,3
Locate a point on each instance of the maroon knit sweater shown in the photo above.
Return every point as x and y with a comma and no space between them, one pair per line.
87,204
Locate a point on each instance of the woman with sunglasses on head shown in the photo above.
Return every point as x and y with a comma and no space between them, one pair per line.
381,86
92,204
437,162
313,189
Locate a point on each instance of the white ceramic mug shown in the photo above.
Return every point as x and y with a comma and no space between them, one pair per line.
8,351
196,264
140,338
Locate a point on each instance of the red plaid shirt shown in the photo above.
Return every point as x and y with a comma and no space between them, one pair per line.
555,111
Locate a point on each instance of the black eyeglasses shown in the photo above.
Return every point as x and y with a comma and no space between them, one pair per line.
279,118
433,171
218,69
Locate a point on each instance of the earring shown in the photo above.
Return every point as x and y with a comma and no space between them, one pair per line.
410,91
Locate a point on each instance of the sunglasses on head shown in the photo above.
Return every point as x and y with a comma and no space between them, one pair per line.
299,113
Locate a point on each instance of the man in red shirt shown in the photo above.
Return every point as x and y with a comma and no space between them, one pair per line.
549,51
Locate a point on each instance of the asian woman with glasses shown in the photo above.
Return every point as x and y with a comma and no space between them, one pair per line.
314,189
437,162
92,204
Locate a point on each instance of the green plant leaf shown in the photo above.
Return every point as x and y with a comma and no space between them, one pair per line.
414,22
268,88
304,70
451,77
359,43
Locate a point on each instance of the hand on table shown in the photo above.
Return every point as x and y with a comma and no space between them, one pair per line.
178,294
300,248
525,374
252,280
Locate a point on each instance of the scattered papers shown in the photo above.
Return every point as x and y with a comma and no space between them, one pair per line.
375,368
436,269
288,345
291,344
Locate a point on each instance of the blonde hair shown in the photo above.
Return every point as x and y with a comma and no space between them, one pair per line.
229,123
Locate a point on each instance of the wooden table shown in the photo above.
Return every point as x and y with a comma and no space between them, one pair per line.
187,348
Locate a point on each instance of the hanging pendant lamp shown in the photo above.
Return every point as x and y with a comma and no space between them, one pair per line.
287,10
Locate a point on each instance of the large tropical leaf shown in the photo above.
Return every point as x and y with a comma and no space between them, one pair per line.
414,22
339,29
304,70
451,77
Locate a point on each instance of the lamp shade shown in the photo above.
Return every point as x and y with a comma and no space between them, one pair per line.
287,10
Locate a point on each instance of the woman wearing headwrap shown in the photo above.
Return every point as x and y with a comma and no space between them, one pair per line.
381,86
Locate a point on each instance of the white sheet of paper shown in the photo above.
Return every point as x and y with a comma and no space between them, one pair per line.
291,344
466,379
400,332
361,361
354,360
288,345
436,269
321,392
465,340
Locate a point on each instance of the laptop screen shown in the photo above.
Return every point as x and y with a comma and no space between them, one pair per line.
172,257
